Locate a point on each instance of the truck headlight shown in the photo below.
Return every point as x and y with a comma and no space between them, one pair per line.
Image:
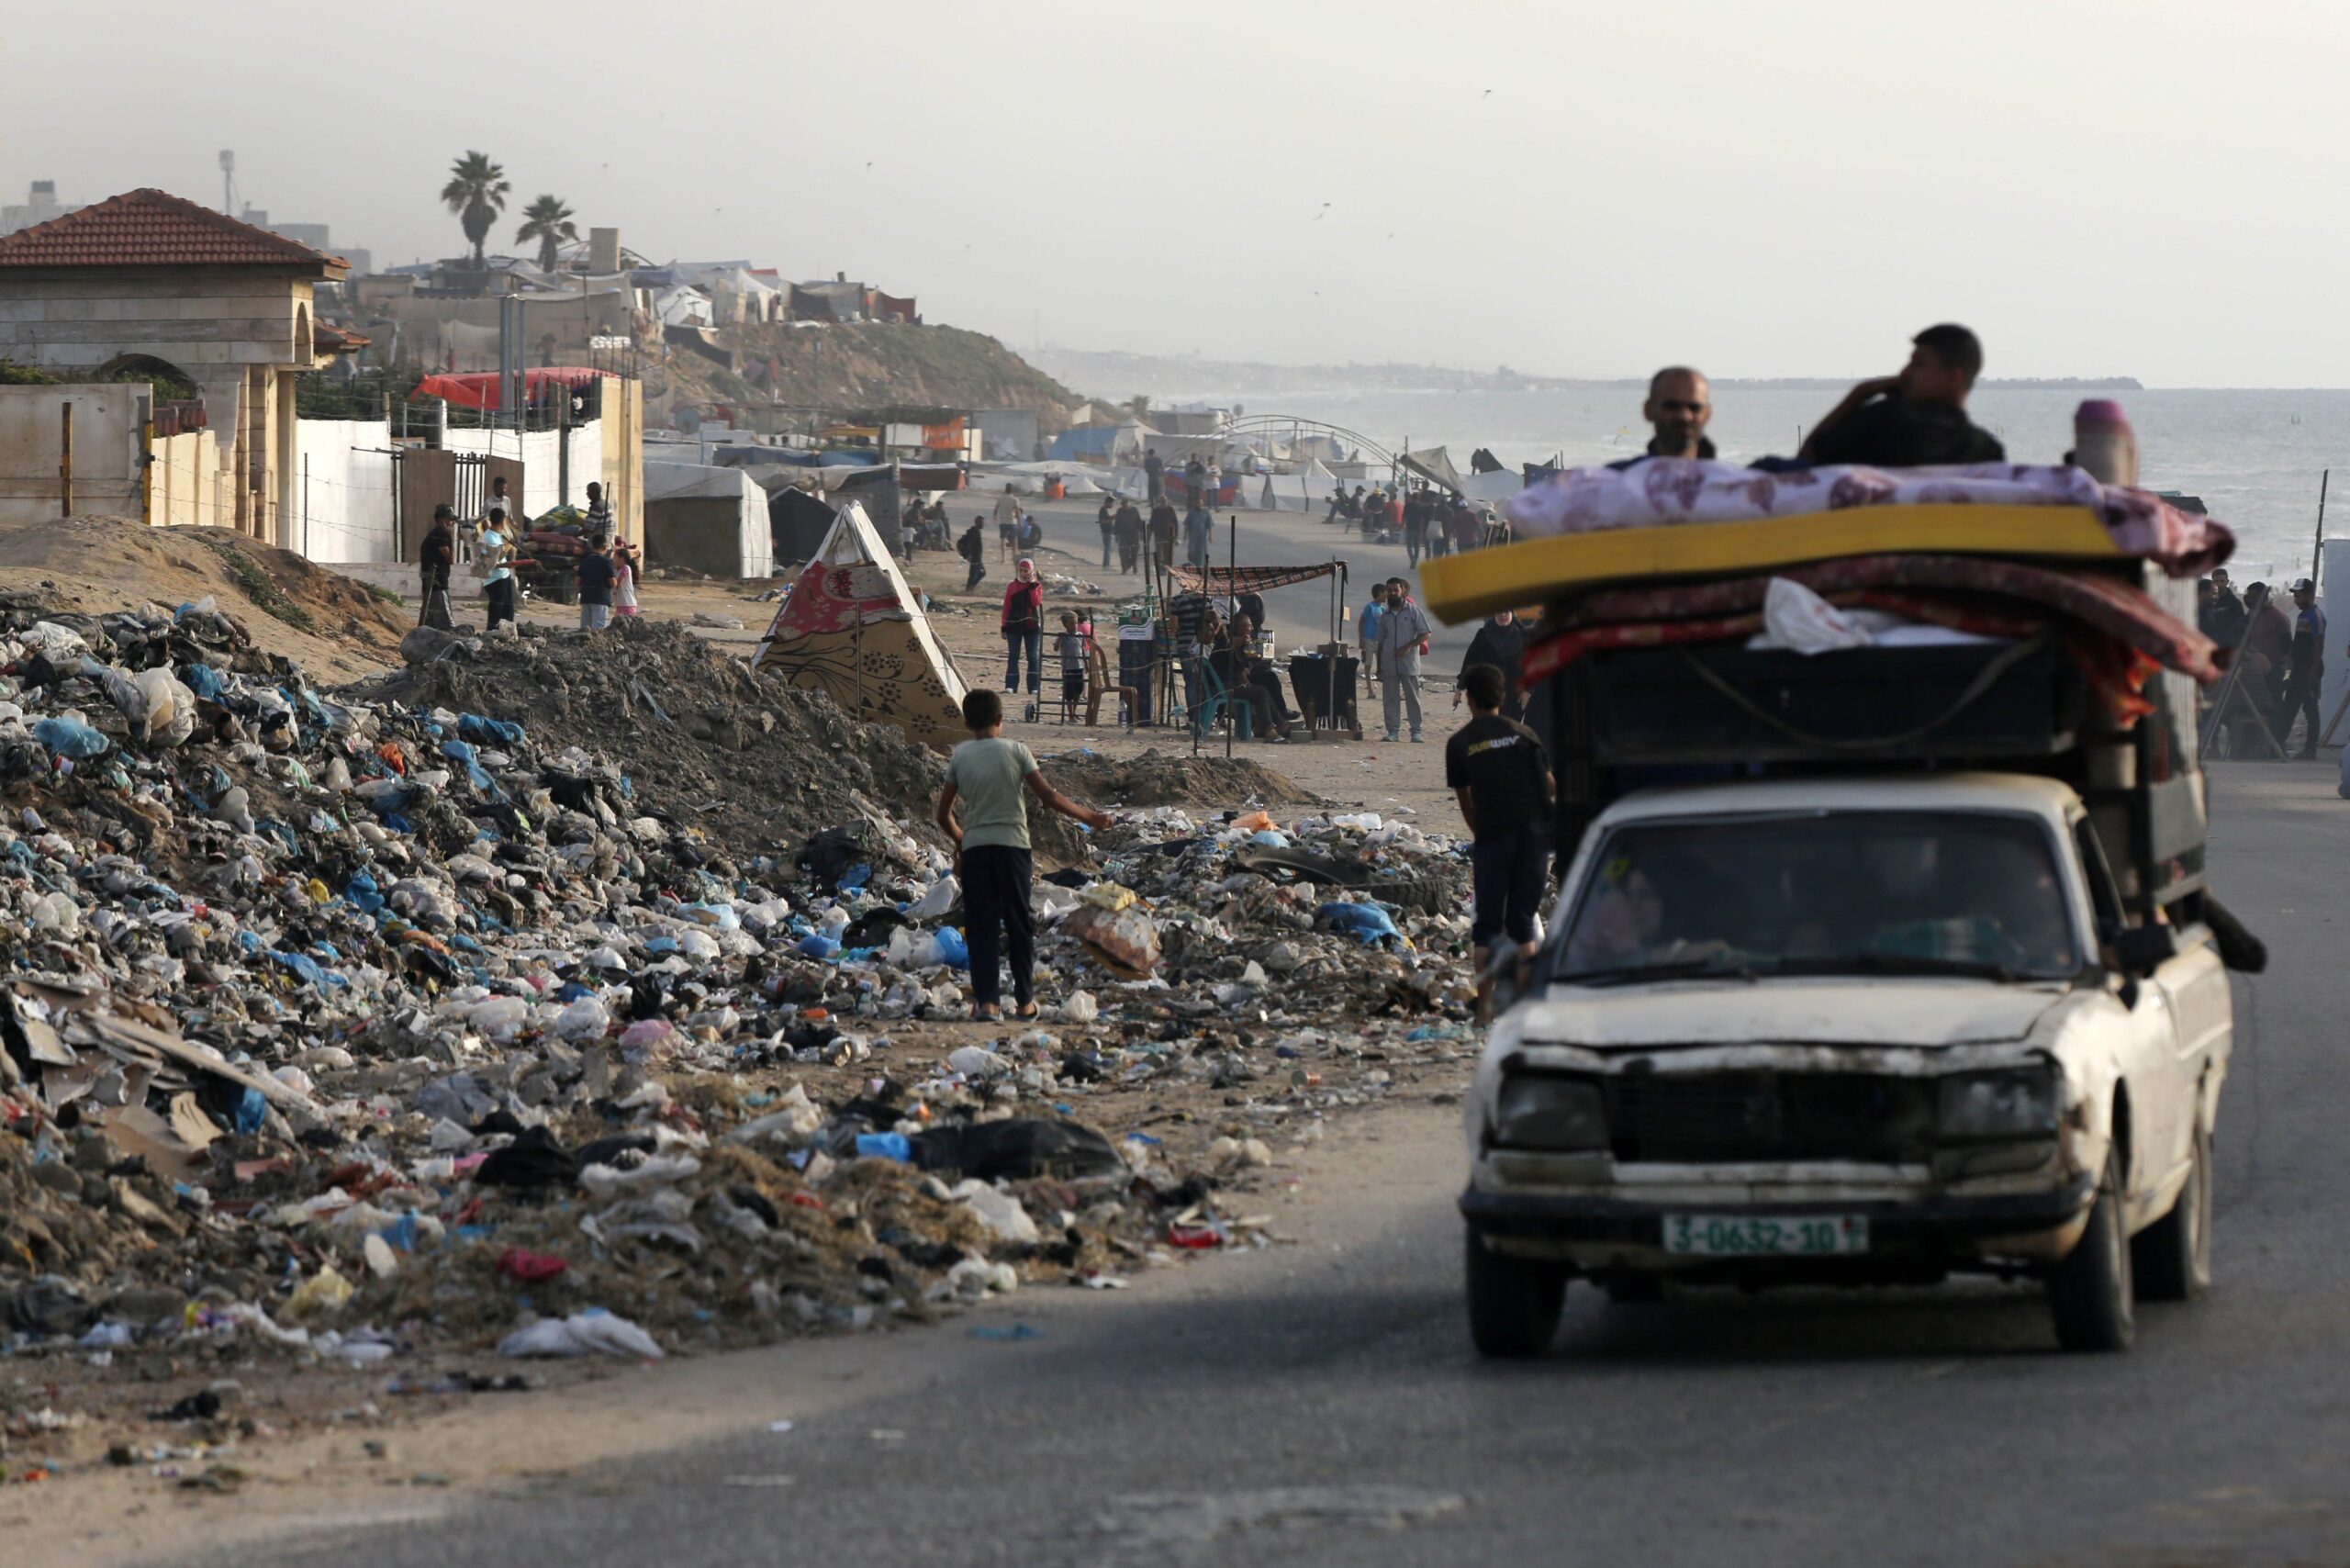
1545,1111
2015,1102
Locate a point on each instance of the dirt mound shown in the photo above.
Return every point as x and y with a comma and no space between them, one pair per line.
335,628
755,762
1161,778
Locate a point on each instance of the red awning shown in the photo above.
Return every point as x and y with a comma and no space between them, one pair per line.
483,388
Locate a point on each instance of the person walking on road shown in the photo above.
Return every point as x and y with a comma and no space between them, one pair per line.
1007,525
1107,523
1495,767
436,557
1163,530
1154,468
1199,525
1404,634
1501,642
989,775
1127,527
973,548
1367,636
2304,668
1023,627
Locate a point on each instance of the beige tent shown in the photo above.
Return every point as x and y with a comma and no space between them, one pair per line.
852,627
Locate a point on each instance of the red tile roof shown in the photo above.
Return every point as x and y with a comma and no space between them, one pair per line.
153,228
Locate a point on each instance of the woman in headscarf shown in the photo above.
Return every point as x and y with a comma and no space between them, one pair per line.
1024,626
1499,643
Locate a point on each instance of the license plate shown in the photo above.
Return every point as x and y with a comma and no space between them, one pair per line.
1759,1235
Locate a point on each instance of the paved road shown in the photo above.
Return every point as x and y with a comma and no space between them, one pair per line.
1321,1406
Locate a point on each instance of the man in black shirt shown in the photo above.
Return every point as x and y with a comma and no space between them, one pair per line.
595,576
437,554
1915,420
1496,768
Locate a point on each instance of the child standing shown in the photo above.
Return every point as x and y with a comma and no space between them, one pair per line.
623,578
988,774
1072,650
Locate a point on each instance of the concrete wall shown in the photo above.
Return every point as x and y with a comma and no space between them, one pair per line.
108,436
230,329
543,465
189,485
342,491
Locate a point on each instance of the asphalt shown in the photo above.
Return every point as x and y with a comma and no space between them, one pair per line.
1320,1405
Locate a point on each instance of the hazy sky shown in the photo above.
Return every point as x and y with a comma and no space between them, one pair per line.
1762,186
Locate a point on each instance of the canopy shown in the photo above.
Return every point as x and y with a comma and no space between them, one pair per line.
1231,580
852,628
486,389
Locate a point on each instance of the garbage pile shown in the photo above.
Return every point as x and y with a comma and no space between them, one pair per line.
369,1027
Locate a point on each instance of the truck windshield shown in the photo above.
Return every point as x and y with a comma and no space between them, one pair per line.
1833,892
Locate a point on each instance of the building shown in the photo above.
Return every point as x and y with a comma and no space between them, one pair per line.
39,208
149,280
313,235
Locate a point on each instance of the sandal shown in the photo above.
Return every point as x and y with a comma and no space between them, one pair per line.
1028,1012
986,1013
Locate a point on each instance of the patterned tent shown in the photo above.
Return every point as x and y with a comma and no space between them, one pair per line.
852,627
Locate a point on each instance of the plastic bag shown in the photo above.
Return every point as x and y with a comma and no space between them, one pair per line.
70,737
593,1332
1797,619
936,900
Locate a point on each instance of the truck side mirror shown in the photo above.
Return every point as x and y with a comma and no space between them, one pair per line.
2142,949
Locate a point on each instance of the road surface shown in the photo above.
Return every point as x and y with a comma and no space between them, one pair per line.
1319,1404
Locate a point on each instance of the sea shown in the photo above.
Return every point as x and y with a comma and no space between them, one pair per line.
2256,458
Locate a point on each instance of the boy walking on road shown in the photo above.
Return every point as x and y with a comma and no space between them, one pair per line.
988,774
1496,768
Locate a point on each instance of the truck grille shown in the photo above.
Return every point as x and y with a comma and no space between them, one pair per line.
1697,1118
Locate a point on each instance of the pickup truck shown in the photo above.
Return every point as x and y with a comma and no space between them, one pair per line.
1855,1029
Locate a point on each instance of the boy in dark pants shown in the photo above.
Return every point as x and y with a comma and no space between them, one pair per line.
1496,768
989,774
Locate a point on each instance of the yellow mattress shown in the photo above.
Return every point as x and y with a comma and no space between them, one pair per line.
1534,571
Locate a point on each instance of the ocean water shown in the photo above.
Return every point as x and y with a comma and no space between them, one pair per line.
2253,456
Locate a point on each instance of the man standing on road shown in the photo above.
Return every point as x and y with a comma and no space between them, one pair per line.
2305,667
1402,638
1495,769
600,514
1154,469
436,557
1108,525
1127,527
498,498
1500,643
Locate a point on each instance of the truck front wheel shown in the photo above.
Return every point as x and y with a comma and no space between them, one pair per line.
1513,1303
2089,1294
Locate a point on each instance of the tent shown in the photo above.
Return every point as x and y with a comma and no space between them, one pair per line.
707,519
1492,487
798,523
852,627
1307,490
1435,464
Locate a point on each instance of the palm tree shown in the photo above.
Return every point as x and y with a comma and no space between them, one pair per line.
548,220
476,194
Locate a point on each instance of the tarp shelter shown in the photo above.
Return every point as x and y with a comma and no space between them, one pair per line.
1307,490
798,523
1494,487
1096,442
485,389
850,627
707,519
1226,581
1434,463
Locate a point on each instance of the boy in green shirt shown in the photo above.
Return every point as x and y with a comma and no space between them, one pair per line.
988,774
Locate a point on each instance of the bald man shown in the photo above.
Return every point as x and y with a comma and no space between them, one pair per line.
1679,404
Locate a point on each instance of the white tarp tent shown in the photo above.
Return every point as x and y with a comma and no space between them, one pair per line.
711,520
1494,487
1309,490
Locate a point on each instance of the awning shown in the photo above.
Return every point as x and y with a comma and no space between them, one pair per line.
1229,580
485,389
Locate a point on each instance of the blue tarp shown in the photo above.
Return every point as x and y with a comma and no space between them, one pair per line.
1084,441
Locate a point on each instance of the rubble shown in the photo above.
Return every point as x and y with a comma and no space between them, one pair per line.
578,994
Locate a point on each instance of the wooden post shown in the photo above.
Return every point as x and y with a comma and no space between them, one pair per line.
65,457
147,470
1232,577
